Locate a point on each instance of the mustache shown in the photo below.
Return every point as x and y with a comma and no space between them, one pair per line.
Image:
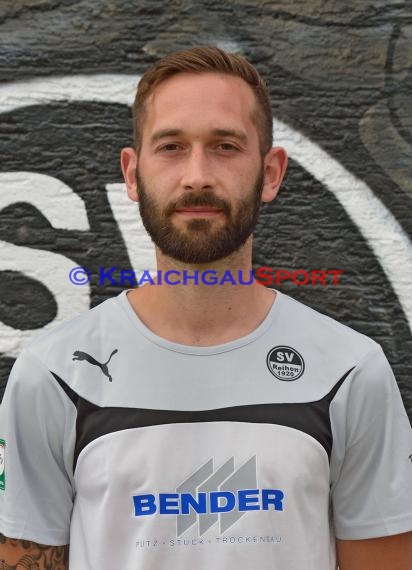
205,198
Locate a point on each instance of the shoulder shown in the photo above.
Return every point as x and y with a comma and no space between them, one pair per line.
87,327
330,351
320,331
90,336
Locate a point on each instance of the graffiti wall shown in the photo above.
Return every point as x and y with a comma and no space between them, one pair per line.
340,78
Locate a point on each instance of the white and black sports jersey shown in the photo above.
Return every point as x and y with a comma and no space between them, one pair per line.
147,454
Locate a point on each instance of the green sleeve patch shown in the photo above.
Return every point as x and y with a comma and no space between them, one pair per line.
2,465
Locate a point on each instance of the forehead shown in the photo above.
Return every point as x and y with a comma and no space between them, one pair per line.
201,101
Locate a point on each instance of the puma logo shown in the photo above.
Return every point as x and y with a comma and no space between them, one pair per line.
79,355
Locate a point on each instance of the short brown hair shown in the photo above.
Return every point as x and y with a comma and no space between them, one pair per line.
200,60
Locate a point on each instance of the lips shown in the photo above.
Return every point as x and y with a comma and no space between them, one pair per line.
199,209
198,204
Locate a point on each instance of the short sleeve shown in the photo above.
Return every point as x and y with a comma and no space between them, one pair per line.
371,467
37,428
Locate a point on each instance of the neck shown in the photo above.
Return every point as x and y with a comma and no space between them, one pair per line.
198,313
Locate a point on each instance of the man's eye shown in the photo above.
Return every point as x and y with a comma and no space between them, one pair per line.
169,147
227,146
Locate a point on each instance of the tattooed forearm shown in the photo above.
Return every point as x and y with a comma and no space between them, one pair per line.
19,554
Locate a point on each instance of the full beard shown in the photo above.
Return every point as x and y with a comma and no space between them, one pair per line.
199,242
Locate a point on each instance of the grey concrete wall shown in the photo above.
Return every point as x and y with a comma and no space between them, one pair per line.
340,77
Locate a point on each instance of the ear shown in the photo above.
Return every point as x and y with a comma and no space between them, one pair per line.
128,162
275,164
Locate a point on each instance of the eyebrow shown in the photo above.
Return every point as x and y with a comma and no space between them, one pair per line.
164,133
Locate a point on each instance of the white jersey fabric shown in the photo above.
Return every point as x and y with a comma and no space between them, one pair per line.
143,453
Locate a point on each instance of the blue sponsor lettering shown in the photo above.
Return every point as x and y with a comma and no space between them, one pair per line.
245,499
206,503
199,505
168,504
272,497
144,505
217,507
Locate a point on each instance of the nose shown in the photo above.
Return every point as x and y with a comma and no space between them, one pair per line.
198,170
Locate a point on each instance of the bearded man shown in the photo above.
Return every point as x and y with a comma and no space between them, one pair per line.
192,426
